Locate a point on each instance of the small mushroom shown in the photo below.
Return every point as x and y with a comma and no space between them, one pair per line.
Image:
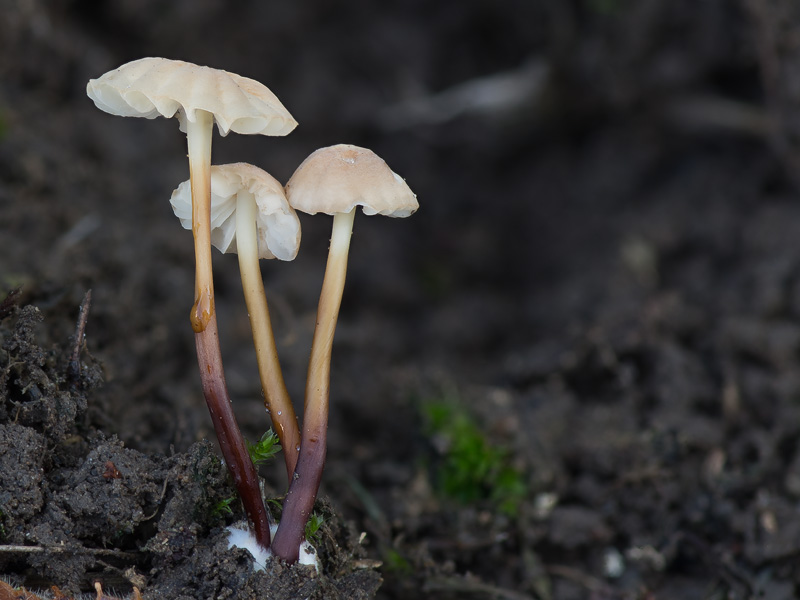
198,97
251,218
333,181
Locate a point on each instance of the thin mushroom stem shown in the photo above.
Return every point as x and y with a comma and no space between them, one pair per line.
303,490
204,324
231,442
276,397
198,137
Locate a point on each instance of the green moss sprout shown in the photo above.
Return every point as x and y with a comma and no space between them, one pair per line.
312,528
265,449
223,507
471,469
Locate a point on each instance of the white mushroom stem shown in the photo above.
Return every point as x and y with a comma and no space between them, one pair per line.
315,413
198,136
276,397
299,501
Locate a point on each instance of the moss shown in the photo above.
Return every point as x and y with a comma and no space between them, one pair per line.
312,528
470,468
396,563
223,507
265,449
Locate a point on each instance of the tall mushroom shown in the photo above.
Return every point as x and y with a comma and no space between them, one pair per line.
199,97
251,218
333,181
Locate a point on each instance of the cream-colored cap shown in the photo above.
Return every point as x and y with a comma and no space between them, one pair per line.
153,87
277,223
338,178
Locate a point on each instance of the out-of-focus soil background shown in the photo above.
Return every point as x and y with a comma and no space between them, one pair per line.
598,298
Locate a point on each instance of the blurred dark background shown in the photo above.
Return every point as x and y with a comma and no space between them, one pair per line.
573,159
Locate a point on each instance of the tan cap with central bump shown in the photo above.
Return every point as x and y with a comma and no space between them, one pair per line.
338,178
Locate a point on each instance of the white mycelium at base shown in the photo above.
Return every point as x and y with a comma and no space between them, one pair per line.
243,538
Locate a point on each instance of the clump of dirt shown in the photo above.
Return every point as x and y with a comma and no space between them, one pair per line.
78,507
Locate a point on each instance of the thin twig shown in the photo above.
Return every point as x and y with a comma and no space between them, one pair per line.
74,366
161,499
16,549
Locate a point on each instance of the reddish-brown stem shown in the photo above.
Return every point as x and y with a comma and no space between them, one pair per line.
303,489
302,493
231,442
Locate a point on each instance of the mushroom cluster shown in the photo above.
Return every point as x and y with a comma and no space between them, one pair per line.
239,208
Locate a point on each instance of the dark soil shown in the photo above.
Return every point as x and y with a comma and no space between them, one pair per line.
600,293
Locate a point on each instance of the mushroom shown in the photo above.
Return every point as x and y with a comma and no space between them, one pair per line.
333,181
199,97
251,218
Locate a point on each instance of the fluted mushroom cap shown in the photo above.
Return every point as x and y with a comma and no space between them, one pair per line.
338,178
277,223
153,87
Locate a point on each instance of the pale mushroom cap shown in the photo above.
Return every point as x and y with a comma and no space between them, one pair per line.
338,178
277,223
153,87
